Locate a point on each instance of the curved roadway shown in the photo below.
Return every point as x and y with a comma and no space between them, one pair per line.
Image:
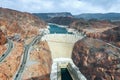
25,55
4,55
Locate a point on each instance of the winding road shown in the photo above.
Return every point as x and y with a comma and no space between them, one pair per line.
4,55
25,56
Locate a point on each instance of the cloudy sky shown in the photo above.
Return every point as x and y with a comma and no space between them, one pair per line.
73,6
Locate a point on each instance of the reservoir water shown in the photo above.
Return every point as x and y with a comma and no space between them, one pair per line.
56,29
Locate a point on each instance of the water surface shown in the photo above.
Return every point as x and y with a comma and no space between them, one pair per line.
57,29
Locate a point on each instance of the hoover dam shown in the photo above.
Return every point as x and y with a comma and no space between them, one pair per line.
58,48
61,43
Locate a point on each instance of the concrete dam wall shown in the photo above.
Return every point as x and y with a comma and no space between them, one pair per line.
61,45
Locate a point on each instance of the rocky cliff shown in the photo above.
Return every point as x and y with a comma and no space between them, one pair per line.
61,20
3,39
21,28
112,35
47,16
100,16
96,59
91,25
104,30
19,23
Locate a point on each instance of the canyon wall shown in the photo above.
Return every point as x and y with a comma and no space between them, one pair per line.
96,59
21,28
3,38
24,24
104,30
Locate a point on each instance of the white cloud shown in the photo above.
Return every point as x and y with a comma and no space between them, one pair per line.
74,6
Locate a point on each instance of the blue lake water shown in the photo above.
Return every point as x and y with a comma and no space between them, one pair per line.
56,29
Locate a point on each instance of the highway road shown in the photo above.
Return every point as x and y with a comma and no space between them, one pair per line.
25,56
4,55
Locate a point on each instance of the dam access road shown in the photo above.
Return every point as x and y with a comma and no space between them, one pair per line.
25,56
7,52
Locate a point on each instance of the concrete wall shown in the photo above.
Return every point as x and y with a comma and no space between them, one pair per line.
65,63
75,73
61,45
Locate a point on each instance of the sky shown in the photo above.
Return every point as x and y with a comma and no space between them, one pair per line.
73,6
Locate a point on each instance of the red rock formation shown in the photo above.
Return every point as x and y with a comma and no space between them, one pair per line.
111,36
3,76
61,20
104,30
25,26
94,35
82,24
3,39
14,22
96,59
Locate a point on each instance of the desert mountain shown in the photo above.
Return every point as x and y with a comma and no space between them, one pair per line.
46,16
62,20
21,28
100,16
104,30
96,59
24,24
